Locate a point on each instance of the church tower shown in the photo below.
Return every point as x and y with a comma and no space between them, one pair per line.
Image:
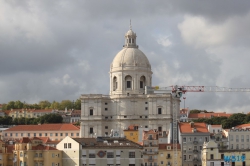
130,70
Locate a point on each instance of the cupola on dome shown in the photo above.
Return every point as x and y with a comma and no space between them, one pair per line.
130,55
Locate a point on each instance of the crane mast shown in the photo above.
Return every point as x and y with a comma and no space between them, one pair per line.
177,92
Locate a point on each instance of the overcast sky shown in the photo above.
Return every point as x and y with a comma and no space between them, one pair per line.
57,50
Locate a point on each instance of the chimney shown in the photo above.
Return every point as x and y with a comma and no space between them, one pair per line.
192,124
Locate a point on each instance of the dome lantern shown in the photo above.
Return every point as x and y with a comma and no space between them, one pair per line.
130,38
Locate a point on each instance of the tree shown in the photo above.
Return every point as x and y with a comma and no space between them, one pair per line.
11,105
66,104
18,104
55,105
195,111
44,104
77,105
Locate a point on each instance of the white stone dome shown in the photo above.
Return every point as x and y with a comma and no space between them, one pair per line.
130,33
129,57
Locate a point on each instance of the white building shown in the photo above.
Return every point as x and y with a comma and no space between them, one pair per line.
127,104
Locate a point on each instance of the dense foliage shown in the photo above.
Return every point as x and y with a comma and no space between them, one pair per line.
195,111
232,121
48,118
43,105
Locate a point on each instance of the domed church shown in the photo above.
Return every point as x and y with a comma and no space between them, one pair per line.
127,104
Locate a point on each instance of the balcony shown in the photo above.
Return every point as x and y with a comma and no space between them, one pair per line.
150,152
195,151
168,157
195,159
195,142
150,160
38,159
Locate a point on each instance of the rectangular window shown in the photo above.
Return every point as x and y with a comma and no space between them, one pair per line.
159,128
40,155
212,164
211,156
106,109
159,110
51,134
146,108
247,138
46,134
91,155
91,112
91,130
61,134
65,145
141,84
128,84
21,134
131,154
69,145
34,134
40,134
66,134
106,103
72,134
242,138
184,139
231,137
110,154
146,102
222,156
56,134
185,157
106,127
28,134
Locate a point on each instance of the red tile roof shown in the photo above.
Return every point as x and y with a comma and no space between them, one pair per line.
164,146
183,111
186,127
45,127
208,115
243,126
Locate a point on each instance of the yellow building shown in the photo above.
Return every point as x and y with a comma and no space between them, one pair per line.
29,152
29,113
132,133
6,154
166,157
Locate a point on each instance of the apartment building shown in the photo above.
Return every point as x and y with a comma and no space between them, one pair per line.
238,137
213,155
54,131
192,136
29,113
166,155
131,133
32,152
150,147
184,115
100,151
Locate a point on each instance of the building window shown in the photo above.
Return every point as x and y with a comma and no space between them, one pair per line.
128,84
247,138
141,84
146,108
131,154
91,112
91,130
77,134
72,134
65,145
69,145
106,127
211,156
212,164
185,157
28,134
91,155
110,154
237,138
51,134
159,111
222,156
56,134
184,139
146,116
21,154
66,134
146,102
159,128
242,138
106,103
21,134
61,134
34,134
146,126
125,116
40,134
106,109
40,155
46,134
231,137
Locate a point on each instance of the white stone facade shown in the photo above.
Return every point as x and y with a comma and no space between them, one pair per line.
127,104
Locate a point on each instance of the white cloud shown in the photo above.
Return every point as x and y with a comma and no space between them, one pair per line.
164,41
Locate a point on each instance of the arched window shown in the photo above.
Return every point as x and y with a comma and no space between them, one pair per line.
142,82
128,81
114,83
